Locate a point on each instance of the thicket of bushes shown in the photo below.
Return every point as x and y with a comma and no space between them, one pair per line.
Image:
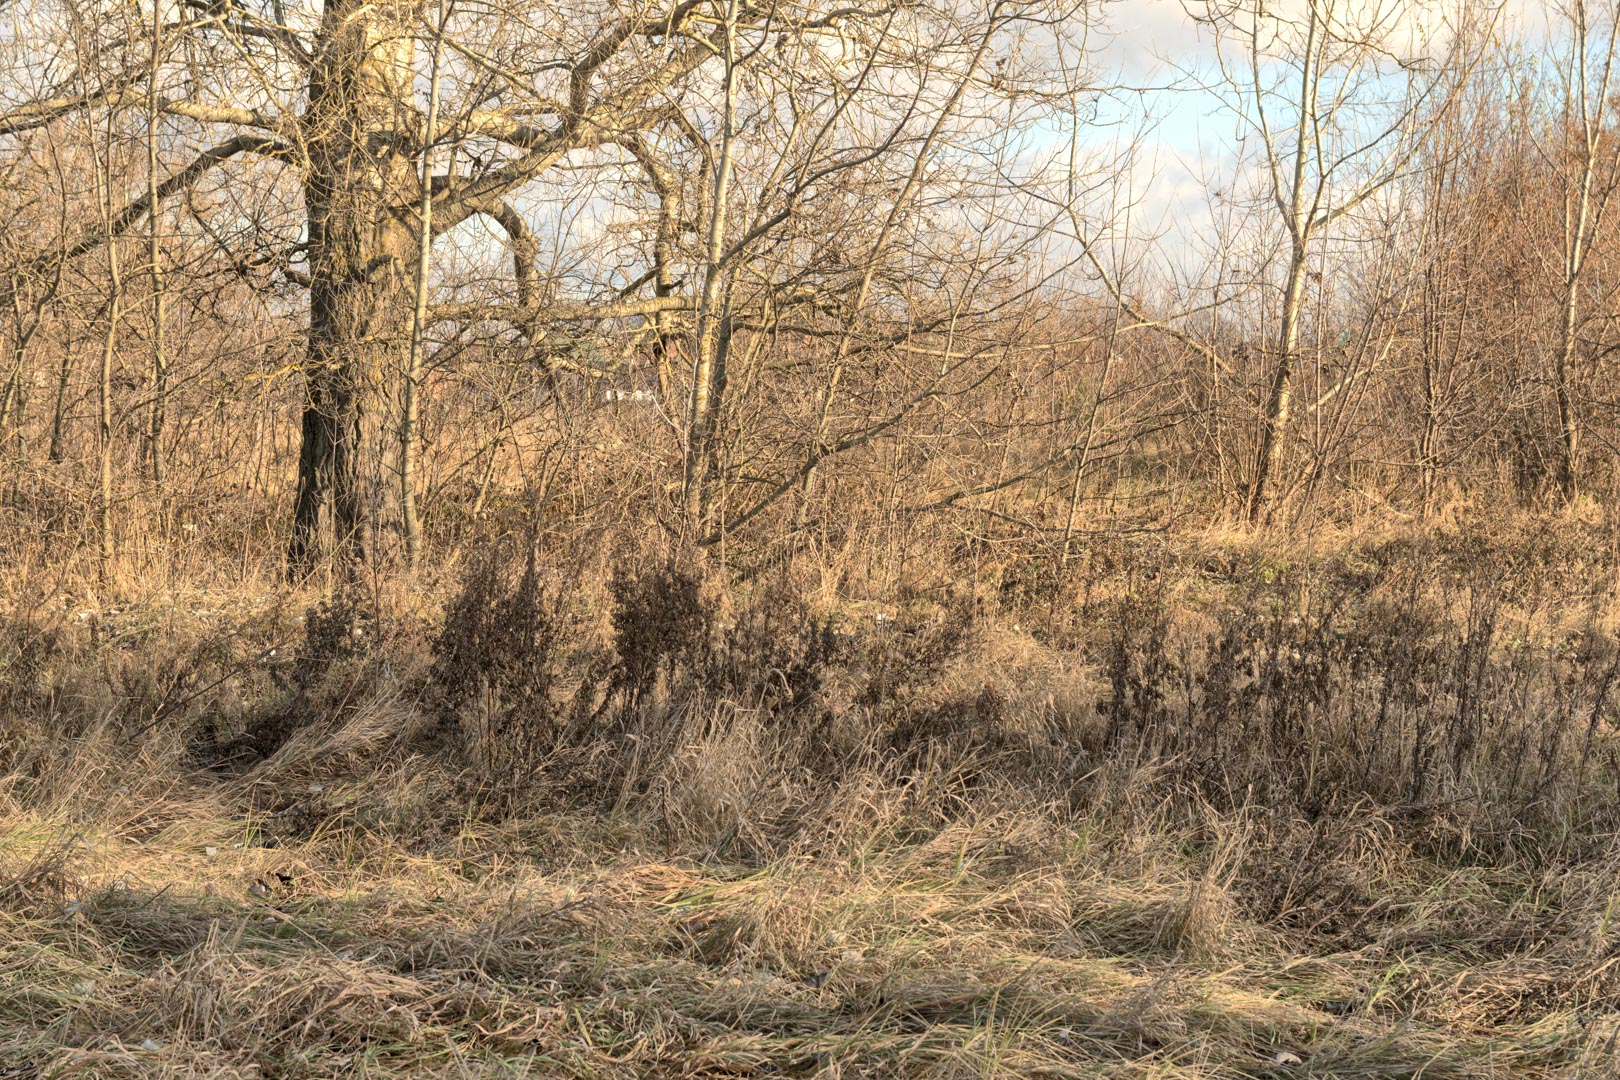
1464,681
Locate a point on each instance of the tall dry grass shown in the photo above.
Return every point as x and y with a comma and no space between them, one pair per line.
1197,808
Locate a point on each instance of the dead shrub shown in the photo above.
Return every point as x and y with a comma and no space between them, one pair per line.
1393,687
514,661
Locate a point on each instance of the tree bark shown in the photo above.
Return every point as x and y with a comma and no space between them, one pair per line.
160,358
410,525
713,317
105,547
358,129
1279,403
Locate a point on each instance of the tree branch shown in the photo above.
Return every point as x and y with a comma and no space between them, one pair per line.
184,180
559,311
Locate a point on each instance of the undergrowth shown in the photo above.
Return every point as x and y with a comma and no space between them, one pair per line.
1171,811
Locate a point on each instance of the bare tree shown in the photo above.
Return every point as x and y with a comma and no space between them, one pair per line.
154,255
331,95
1583,158
419,313
1340,100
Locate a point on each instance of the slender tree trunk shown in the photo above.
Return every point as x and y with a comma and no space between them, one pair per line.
106,549
708,374
874,258
56,453
1584,210
413,369
25,324
1300,217
1569,432
160,359
1431,338
666,188
1569,425
105,545
160,371
1083,460
15,400
1429,441
12,396
1576,220
360,252
1279,403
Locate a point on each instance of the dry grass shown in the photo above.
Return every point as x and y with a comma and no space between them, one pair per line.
1005,942
947,842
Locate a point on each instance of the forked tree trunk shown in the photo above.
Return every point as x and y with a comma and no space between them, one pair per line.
359,128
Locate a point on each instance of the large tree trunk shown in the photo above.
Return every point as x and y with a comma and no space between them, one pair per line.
359,128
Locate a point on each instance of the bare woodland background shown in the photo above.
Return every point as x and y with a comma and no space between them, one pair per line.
760,279
743,538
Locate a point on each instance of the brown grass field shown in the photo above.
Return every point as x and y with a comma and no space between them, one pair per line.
1176,809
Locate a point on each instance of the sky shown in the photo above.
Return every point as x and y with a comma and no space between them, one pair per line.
1156,44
